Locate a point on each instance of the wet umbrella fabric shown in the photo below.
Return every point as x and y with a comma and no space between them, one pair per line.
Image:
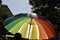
31,28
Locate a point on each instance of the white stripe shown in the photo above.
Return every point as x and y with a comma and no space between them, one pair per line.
29,31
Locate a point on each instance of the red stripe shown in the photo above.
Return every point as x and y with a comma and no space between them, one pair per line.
47,26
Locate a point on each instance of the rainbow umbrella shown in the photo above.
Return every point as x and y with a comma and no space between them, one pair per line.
30,27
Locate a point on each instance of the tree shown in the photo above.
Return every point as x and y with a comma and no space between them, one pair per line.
46,8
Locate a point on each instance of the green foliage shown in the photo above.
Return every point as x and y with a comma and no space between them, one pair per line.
46,8
3,14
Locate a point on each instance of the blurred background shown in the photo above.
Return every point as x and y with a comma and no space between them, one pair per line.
50,9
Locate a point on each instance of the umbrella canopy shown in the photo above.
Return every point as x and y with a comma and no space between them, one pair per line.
30,27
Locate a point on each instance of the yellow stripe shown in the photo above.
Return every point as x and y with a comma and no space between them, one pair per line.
34,34
24,29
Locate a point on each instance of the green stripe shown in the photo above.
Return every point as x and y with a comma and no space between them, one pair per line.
11,20
10,25
24,29
17,26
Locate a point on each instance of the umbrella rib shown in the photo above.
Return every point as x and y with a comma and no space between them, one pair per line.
30,27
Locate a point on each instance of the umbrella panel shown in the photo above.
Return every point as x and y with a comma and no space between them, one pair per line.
38,29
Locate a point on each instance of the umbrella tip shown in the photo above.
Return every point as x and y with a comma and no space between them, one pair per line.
34,15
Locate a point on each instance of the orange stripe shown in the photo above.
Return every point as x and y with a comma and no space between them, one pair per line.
49,26
42,32
49,30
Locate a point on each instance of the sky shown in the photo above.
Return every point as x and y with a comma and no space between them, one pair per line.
18,6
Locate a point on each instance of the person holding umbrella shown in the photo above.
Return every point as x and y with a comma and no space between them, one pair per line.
17,36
